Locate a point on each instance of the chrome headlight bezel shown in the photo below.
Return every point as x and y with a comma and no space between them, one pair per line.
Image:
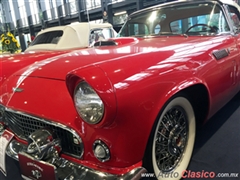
88,104
101,151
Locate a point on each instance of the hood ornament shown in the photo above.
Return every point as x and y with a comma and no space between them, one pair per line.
15,89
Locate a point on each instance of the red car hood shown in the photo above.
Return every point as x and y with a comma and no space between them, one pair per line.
13,62
175,47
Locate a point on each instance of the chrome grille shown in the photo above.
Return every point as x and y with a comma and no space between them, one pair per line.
23,125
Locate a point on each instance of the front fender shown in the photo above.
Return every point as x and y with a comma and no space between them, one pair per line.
96,78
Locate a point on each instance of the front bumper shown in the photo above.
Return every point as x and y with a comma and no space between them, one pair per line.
65,169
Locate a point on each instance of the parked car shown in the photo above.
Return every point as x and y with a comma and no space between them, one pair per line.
128,106
54,41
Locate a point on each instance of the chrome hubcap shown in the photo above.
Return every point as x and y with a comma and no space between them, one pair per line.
171,139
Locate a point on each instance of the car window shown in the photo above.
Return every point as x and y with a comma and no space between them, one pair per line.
99,35
201,24
51,37
136,29
107,33
234,17
204,18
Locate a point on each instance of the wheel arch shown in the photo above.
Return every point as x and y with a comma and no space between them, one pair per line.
198,96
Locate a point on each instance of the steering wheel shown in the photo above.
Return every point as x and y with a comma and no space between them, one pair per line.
205,25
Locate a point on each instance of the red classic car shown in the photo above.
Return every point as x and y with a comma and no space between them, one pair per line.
132,104
53,42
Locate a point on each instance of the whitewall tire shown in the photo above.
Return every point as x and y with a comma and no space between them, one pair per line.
172,140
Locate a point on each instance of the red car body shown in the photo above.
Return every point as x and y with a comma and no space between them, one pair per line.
136,79
12,63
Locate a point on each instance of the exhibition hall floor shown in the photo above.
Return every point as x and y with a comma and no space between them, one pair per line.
217,148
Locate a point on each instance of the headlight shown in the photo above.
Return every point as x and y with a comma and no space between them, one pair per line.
88,104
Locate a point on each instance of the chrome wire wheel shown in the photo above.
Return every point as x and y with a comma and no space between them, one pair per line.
173,140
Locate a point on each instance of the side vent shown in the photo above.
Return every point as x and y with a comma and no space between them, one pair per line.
219,54
105,43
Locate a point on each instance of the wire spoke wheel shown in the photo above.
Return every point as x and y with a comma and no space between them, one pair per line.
172,139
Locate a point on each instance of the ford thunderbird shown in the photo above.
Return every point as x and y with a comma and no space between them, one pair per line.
130,105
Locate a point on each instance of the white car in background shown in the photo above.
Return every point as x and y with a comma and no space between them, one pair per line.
72,36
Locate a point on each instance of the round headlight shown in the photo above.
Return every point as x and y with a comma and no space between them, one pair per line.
88,104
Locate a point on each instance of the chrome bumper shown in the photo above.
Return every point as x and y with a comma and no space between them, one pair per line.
67,170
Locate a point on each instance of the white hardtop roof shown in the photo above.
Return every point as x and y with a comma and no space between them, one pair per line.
76,35
78,26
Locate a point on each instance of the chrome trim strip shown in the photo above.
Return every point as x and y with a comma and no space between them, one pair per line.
53,124
16,89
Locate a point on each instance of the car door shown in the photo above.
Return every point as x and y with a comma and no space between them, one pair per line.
234,16
222,76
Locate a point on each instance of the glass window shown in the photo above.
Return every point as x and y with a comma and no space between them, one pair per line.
91,4
48,9
193,19
136,29
203,24
73,6
48,38
34,11
12,12
54,5
23,13
99,35
120,19
63,9
235,17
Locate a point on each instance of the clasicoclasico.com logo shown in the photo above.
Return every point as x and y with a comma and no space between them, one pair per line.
191,175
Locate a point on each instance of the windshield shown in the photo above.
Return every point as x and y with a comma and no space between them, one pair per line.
190,19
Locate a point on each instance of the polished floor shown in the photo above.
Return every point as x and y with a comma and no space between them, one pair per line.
217,148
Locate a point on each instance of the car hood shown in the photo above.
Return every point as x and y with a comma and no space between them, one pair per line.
117,66
28,56
13,62
170,47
